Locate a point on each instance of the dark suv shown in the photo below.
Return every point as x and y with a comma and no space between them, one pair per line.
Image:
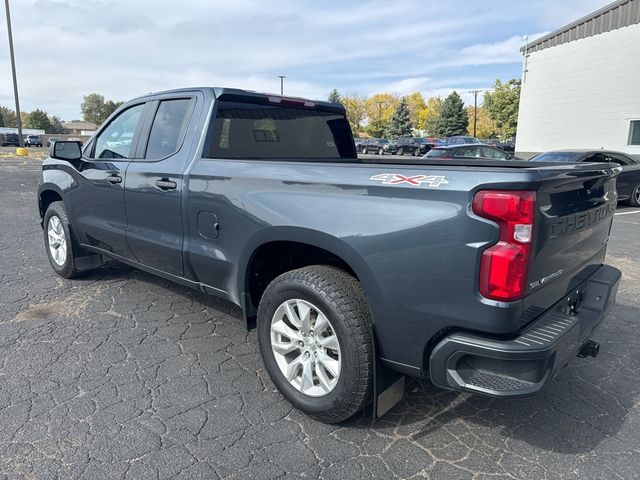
412,145
379,146
10,139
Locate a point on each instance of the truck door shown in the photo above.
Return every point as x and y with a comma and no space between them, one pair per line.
97,201
153,189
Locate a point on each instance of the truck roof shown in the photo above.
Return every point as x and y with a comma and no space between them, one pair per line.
237,93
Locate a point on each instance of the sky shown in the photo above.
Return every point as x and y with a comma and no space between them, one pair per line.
125,48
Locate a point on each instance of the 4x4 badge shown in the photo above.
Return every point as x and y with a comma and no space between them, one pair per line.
415,180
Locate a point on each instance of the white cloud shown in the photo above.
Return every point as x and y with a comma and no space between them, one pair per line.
124,48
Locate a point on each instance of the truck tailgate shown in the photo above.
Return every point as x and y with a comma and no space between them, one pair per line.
572,224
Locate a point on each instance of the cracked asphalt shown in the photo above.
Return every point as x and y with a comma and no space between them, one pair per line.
121,375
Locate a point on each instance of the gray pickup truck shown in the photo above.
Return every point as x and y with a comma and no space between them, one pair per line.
482,276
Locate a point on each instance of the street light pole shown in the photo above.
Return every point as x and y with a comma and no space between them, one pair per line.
475,109
13,72
282,77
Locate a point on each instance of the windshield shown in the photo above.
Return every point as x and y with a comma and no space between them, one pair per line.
437,152
556,157
383,140
419,140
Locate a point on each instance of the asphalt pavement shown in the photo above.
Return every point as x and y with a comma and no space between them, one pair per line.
120,374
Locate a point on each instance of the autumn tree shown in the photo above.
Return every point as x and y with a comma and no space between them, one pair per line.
502,107
400,124
453,118
334,96
416,105
430,115
356,107
56,126
485,128
380,108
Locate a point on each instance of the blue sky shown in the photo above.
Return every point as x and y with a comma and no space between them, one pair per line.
124,48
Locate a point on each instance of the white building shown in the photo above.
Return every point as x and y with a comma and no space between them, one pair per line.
581,85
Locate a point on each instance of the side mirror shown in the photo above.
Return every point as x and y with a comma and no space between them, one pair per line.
65,150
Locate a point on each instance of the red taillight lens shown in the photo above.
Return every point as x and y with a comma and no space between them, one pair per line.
504,266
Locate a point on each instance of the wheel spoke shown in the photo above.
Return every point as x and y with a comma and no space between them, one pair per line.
325,383
293,367
321,324
330,342
291,315
306,381
285,330
332,366
304,312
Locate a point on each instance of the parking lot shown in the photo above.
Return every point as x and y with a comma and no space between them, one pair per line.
120,374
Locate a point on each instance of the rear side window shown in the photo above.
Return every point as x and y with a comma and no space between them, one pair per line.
169,126
255,131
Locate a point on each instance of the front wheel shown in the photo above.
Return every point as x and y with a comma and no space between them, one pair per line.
400,151
315,340
380,151
57,240
634,200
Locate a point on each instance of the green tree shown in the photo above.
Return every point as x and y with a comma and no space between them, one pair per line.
502,106
400,124
377,127
56,126
10,119
109,107
356,107
334,96
40,120
95,109
1,120
453,118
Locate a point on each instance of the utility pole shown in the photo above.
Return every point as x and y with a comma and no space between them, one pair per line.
475,109
13,71
282,77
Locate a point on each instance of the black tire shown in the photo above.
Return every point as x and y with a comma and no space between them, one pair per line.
67,269
364,151
634,200
380,151
342,300
400,151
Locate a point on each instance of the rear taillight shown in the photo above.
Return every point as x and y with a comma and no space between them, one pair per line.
504,266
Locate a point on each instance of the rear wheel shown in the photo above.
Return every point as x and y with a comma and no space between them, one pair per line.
400,151
314,335
634,200
380,151
364,150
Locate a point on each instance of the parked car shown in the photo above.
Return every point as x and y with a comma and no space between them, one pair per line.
33,141
412,146
359,142
354,271
378,146
475,150
460,140
51,140
628,184
10,139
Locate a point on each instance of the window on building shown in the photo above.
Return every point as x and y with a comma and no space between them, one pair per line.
634,132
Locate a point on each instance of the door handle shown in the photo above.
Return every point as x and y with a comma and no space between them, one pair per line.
113,179
166,184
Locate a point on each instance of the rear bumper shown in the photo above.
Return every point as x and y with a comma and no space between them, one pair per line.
522,366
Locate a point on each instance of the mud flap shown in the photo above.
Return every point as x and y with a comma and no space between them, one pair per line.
388,385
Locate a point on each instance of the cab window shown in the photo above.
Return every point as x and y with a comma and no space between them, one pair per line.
115,140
